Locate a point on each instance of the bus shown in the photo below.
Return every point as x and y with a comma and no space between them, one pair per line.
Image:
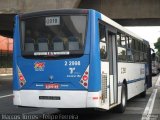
77,58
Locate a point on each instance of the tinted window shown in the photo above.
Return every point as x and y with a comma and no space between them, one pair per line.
123,40
130,55
54,33
121,54
103,42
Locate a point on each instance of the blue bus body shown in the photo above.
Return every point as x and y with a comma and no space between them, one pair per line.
57,68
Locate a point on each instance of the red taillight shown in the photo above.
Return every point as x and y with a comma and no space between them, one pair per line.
21,78
85,77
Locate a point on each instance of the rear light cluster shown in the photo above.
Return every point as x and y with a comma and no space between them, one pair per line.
85,77
22,80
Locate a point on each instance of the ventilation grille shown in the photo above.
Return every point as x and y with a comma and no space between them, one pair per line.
104,87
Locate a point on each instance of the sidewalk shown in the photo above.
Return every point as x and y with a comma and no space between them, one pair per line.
156,109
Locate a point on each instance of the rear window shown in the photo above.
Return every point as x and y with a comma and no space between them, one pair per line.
52,35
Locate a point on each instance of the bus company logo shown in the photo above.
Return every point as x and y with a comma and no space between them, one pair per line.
39,66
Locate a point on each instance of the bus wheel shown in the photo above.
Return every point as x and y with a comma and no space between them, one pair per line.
143,94
121,108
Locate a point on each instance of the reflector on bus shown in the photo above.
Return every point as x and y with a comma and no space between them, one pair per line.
85,78
21,78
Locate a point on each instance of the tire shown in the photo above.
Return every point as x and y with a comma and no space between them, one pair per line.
121,108
143,94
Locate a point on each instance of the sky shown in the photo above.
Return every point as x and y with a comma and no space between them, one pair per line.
149,33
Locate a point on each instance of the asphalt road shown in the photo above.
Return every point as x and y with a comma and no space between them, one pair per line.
136,109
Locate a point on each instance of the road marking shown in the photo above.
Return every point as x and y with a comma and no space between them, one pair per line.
6,96
149,107
148,110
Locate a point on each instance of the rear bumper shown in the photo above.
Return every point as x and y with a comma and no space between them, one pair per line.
68,99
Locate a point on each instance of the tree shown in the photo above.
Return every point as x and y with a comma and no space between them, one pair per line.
157,46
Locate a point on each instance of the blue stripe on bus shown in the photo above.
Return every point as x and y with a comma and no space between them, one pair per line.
135,80
128,82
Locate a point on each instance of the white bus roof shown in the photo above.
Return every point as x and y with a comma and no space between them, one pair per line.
119,27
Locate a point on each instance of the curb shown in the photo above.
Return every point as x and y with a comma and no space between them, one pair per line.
6,75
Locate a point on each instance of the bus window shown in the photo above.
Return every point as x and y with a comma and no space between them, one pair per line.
141,57
130,43
56,33
73,43
103,52
29,43
145,57
121,43
58,44
136,45
121,54
123,40
103,45
118,39
140,46
42,43
130,55
127,42
136,56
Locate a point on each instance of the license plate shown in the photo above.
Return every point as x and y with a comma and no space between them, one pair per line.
52,86
49,97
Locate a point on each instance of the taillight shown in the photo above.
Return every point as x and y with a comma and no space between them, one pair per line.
85,77
21,78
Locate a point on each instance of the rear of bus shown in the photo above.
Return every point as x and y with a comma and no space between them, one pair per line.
52,59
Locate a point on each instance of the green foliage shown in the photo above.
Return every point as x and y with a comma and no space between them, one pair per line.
157,46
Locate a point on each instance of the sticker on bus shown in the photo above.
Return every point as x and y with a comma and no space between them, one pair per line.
52,21
51,53
52,86
39,66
